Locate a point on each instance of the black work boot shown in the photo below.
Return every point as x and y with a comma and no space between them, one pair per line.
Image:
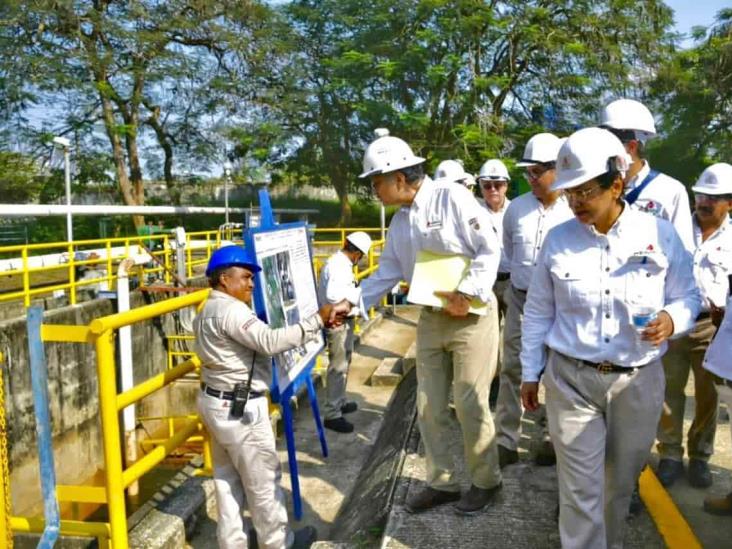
506,456
349,407
476,499
305,537
339,425
699,474
545,455
669,471
428,497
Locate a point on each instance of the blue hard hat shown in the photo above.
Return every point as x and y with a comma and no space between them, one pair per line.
231,256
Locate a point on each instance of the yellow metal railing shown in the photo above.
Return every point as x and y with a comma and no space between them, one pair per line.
29,278
101,333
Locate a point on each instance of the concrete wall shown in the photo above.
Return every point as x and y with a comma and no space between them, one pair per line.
73,395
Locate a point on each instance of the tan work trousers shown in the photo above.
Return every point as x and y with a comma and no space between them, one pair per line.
508,405
499,289
454,352
602,426
246,469
684,355
340,349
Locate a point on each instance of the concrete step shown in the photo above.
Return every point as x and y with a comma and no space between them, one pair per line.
392,369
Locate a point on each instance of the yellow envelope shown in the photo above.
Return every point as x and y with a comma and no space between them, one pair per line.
433,273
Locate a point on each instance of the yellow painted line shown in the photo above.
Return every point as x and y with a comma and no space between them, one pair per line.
65,333
670,523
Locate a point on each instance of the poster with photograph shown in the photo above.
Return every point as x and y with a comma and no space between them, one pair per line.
288,287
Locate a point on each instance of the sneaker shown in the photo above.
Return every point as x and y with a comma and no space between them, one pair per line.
506,456
545,454
669,470
339,425
699,474
476,499
305,537
428,498
719,506
349,407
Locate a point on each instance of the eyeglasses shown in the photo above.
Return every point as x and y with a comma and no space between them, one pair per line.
535,172
583,194
711,197
492,184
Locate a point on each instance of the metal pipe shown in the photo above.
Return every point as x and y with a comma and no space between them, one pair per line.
156,383
39,382
39,210
67,181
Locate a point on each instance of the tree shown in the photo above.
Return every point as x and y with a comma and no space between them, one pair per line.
456,79
129,65
694,93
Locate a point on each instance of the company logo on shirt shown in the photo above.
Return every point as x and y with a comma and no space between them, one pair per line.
474,223
651,207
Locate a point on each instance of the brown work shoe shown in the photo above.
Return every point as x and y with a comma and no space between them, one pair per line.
719,506
476,499
428,498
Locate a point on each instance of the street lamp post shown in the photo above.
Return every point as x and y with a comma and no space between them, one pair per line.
227,180
65,144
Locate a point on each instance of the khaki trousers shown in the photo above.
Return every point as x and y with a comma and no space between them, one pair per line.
453,352
246,470
684,355
602,426
508,405
499,289
340,349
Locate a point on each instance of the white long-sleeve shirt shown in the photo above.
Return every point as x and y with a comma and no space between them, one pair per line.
718,356
713,264
337,281
664,197
525,226
586,285
228,333
444,219
497,224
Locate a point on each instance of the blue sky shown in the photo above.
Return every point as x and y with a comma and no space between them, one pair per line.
689,13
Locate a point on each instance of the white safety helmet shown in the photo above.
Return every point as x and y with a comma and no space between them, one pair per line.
629,114
540,149
361,240
716,179
495,170
453,170
387,154
586,154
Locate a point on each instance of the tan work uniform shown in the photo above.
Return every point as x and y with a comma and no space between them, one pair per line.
451,352
246,464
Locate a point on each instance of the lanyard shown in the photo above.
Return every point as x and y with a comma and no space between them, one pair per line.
633,195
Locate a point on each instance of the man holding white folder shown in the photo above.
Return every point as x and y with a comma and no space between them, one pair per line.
453,344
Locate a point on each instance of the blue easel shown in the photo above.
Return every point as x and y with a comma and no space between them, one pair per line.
283,395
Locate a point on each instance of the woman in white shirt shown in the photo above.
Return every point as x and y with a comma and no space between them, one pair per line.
610,286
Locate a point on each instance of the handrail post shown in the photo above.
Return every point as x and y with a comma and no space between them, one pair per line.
110,276
26,277
72,275
111,438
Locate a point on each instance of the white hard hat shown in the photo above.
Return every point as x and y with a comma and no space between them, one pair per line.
361,240
494,169
540,149
387,154
453,170
586,154
468,180
716,179
629,114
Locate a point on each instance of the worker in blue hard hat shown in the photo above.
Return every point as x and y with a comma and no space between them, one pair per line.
235,349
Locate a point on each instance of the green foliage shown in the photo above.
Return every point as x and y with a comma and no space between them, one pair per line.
694,92
19,179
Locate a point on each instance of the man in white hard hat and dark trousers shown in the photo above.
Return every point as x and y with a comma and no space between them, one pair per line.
712,265
493,182
526,223
336,284
453,345
236,349
454,171
646,189
609,288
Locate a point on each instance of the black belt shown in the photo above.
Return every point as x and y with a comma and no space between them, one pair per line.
721,381
226,395
500,277
604,367
703,315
